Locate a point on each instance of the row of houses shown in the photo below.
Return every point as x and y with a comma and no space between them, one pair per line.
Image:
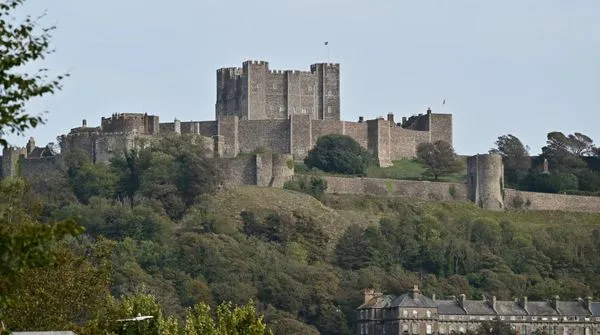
413,313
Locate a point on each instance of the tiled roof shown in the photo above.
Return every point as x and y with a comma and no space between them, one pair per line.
595,308
509,308
478,307
378,302
572,308
449,307
540,308
413,300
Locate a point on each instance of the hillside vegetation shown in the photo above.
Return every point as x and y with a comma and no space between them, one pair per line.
305,262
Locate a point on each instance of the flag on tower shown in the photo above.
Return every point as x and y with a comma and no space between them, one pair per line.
444,102
326,43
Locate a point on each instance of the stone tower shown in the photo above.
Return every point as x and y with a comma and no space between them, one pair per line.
253,92
486,181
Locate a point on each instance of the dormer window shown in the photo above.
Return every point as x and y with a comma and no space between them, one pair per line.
414,313
405,313
428,314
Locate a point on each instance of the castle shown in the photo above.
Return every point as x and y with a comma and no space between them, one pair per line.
265,119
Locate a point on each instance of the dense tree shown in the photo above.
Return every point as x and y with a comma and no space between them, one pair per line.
61,296
24,242
439,159
339,154
515,157
22,42
563,152
512,150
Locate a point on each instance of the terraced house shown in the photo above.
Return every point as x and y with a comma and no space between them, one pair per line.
414,313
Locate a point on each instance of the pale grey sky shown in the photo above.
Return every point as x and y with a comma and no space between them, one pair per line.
524,67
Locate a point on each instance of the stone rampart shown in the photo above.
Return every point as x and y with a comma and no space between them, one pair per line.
424,190
272,135
31,167
550,202
267,169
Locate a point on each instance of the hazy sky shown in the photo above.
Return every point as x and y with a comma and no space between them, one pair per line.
523,67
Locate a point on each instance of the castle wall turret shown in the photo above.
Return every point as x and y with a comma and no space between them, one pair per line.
379,141
254,92
486,181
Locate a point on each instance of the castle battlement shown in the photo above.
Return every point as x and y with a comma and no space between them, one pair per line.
255,62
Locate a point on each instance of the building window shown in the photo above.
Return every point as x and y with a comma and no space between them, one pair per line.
428,313
587,331
415,328
362,313
414,313
428,329
461,329
512,318
523,330
405,313
310,88
328,109
565,330
405,328
452,329
442,329
553,330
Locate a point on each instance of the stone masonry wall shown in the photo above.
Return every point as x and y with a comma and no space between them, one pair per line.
358,131
268,170
301,135
273,135
551,202
398,188
441,127
32,167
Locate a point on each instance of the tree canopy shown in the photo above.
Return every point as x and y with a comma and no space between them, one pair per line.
439,159
22,42
339,154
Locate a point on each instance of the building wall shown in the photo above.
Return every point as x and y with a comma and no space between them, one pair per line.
31,167
551,202
397,188
273,135
131,122
301,135
254,92
268,170
486,181
441,127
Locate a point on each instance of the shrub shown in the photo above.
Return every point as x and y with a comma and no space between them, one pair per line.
314,185
339,154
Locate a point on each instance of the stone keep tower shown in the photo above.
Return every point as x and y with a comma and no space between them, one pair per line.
253,92
486,181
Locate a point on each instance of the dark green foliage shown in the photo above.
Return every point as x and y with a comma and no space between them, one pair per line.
549,183
515,157
23,42
439,159
339,154
312,185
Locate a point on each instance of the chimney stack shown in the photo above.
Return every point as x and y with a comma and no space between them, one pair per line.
415,291
588,303
370,294
361,119
84,123
523,303
493,302
390,118
461,300
554,302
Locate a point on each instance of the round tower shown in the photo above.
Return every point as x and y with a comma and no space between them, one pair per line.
486,181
